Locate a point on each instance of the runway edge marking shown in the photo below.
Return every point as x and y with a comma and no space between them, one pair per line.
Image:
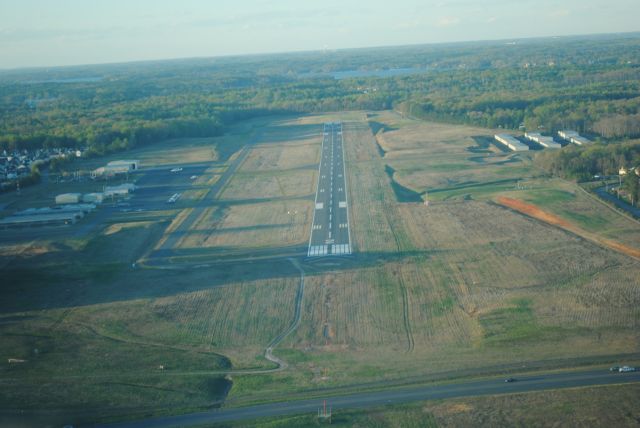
313,220
346,191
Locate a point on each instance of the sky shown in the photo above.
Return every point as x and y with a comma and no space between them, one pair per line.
44,33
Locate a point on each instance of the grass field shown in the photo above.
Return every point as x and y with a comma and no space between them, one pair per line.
267,203
463,282
437,157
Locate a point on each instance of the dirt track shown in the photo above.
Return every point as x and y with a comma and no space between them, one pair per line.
535,212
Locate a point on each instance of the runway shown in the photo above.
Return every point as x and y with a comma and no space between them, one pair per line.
330,233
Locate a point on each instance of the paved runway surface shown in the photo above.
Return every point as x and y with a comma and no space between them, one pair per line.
330,234
395,396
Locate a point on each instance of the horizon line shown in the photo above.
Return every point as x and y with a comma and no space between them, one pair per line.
302,51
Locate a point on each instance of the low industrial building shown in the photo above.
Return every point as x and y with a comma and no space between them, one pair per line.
121,190
68,198
47,216
574,137
93,198
116,167
511,142
124,165
40,220
81,209
567,135
581,141
544,141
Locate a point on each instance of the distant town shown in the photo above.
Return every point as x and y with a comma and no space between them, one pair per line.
20,163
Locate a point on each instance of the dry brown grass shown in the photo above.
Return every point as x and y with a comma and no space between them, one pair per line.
487,287
372,203
119,227
418,136
239,318
283,156
428,156
175,224
469,283
269,224
594,407
271,185
260,207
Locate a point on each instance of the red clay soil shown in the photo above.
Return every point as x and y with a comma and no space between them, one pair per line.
535,212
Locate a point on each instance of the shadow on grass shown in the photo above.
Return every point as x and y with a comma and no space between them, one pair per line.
75,281
403,194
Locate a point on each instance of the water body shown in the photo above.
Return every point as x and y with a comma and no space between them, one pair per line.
92,79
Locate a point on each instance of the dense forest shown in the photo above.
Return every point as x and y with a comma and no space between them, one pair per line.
591,84
583,163
598,160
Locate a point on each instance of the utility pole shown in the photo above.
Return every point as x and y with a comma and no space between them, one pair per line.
324,414
619,183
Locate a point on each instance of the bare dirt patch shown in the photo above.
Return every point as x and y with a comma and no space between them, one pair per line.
535,212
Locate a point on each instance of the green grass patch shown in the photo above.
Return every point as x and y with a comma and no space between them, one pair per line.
293,356
594,222
549,196
433,167
443,306
474,190
405,415
261,385
513,323
73,367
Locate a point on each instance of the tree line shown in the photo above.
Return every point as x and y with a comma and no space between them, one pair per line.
586,163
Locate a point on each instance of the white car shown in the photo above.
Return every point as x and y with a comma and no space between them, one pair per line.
176,169
624,369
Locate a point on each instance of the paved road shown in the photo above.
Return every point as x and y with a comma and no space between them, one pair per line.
396,396
602,192
330,233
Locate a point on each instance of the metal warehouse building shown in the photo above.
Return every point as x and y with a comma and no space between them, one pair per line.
121,190
40,220
68,198
116,167
66,214
574,137
511,142
546,142
123,165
